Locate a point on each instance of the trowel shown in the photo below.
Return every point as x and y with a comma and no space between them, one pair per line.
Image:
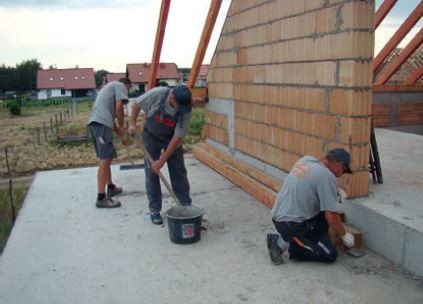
354,252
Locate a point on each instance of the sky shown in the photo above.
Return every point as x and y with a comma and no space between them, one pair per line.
107,34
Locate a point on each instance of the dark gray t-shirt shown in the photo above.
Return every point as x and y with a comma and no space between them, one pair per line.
149,102
309,189
103,110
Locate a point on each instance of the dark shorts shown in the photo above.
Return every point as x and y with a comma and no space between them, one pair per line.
103,140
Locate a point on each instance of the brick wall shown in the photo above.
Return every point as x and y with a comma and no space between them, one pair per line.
299,76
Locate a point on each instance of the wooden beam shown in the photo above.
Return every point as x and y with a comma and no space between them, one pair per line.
161,27
204,41
383,10
397,88
400,59
398,36
413,77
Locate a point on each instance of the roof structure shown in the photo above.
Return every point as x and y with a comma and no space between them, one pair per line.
140,72
114,76
70,79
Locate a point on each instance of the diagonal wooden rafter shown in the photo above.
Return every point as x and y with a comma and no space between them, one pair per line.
398,36
413,77
161,27
383,10
400,59
204,41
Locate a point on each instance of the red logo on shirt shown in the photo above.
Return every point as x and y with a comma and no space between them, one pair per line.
300,170
166,121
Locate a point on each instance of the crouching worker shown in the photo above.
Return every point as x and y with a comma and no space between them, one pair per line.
167,114
107,107
305,208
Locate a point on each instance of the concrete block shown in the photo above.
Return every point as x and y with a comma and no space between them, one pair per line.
354,130
350,102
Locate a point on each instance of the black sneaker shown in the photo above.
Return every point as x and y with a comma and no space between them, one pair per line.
107,203
156,218
114,191
275,252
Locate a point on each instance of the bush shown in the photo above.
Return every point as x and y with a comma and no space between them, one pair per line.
15,108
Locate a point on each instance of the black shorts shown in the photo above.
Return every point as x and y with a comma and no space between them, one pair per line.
103,140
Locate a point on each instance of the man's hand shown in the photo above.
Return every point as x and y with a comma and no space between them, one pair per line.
157,165
348,240
131,130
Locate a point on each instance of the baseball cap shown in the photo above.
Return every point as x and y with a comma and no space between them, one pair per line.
340,154
183,98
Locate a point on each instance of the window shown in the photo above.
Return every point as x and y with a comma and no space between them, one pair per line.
61,78
63,91
51,78
83,77
76,77
140,73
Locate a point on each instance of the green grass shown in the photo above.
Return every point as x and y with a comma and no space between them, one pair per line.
6,224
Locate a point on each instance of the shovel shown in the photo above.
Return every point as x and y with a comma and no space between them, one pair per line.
163,179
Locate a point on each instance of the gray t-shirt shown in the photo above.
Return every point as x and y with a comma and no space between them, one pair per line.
149,102
103,110
309,189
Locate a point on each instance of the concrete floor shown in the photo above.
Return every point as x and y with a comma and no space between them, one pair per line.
64,250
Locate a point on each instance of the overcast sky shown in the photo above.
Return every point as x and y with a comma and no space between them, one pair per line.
107,34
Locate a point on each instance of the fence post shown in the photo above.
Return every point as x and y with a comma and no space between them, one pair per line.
51,124
12,204
45,131
37,129
61,121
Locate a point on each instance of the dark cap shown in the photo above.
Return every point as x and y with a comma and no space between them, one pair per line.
340,154
183,98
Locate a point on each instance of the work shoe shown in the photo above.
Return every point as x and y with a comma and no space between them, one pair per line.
275,252
156,218
107,202
114,191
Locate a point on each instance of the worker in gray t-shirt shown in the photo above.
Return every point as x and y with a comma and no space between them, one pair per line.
167,114
305,208
107,107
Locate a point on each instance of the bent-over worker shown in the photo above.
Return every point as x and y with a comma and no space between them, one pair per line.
305,208
167,114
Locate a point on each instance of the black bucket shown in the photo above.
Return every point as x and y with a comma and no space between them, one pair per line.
184,224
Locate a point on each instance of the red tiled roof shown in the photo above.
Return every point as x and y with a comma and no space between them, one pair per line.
70,79
114,76
140,72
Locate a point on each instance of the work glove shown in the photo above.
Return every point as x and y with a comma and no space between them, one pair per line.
348,240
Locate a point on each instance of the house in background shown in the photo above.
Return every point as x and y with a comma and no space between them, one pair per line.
202,76
114,77
139,74
54,83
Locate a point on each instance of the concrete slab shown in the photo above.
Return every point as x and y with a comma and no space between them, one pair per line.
391,217
64,250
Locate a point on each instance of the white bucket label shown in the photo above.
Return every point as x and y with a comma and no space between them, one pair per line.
187,231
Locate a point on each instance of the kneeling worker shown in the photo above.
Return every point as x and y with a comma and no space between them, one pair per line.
167,117
305,208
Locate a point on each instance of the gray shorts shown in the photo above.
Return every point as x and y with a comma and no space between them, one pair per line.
103,140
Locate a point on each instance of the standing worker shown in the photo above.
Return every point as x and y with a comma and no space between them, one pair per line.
305,208
107,106
167,114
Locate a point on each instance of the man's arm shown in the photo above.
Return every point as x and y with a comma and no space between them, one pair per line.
335,222
173,144
134,115
120,128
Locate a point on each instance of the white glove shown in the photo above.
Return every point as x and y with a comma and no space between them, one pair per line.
348,240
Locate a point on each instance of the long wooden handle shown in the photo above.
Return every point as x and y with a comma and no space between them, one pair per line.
168,187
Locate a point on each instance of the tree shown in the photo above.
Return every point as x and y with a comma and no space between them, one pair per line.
99,77
26,74
7,79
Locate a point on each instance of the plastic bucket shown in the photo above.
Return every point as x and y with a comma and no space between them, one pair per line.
184,223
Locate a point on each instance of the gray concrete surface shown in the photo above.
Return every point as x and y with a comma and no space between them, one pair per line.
391,217
64,250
